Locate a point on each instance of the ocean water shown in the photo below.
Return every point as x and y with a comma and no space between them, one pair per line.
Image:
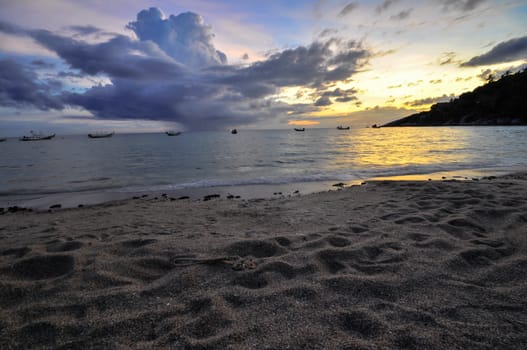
135,163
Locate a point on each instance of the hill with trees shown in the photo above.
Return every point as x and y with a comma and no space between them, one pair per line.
498,102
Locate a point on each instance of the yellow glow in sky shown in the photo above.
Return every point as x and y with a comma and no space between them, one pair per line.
303,122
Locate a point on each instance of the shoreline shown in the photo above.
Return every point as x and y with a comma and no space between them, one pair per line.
389,264
42,202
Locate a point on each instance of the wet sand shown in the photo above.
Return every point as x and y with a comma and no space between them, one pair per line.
389,264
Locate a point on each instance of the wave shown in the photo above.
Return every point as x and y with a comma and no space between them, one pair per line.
338,176
97,184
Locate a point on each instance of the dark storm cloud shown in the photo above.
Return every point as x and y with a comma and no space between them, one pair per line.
69,74
342,95
84,30
109,99
19,87
197,106
507,51
255,89
463,5
174,73
338,92
316,65
338,95
119,57
42,64
348,9
227,94
9,28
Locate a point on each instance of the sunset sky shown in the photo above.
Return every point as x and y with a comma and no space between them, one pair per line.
134,66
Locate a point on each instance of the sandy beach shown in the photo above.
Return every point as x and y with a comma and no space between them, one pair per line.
385,265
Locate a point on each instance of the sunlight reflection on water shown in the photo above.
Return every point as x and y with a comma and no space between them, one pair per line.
207,159
409,147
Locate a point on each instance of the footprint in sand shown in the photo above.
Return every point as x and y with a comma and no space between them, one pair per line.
255,248
63,246
136,243
17,252
359,323
43,267
337,241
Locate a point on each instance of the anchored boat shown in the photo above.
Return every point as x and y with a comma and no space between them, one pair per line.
99,135
37,137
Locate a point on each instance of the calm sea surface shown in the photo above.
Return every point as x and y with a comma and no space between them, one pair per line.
156,162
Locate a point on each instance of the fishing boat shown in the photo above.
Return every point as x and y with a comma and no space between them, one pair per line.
340,127
234,131
173,133
37,137
99,135
300,129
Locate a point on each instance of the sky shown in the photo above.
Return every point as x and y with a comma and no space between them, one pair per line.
73,67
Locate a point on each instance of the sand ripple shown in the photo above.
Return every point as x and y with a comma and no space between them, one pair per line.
395,265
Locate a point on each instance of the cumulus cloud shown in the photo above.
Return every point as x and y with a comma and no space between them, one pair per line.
19,87
173,72
184,37
507,51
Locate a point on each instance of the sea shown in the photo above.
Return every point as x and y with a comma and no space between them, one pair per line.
74,170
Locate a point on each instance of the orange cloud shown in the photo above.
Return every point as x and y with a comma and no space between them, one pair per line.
303,122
